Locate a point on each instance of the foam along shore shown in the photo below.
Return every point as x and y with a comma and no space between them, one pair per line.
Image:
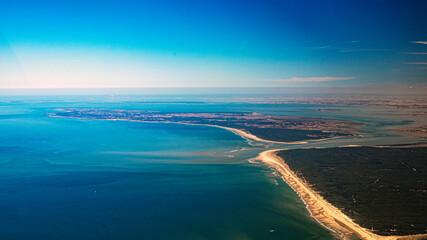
324,212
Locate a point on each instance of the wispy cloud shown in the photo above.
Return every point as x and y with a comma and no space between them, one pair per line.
363,50
416,53
420,42
350,42
415,63
314,79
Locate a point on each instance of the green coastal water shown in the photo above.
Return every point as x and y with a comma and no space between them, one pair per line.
88,179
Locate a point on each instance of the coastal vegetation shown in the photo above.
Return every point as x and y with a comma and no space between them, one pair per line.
267,127
383,189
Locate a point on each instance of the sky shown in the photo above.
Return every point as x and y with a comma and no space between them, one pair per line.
168,44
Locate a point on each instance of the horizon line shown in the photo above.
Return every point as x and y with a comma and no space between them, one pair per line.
251,87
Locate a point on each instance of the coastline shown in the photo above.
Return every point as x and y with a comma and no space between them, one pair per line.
325,213
236,131
322,211
250,136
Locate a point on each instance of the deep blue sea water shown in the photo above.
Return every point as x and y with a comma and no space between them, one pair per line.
87,179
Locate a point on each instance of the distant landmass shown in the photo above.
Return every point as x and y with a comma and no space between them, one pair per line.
267,127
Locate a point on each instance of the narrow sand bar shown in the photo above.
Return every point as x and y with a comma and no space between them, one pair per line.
241,133
250,136
324,212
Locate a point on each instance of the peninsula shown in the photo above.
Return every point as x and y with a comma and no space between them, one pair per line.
255,126
374,193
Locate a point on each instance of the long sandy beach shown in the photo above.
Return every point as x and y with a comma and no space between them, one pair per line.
324,212
250,136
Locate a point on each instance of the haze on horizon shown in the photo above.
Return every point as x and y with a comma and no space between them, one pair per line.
178,44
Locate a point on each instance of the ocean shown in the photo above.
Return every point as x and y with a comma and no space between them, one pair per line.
91,179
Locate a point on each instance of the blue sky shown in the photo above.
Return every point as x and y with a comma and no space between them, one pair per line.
51,44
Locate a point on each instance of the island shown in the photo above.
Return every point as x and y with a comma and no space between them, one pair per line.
415,131
256,126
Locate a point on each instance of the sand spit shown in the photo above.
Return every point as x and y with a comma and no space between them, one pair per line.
250,136
324,212
239,132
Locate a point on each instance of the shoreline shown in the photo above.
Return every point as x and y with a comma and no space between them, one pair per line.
250,136
321,210
239,132
325,213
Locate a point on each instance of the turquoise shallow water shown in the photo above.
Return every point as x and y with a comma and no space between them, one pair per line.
86,179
